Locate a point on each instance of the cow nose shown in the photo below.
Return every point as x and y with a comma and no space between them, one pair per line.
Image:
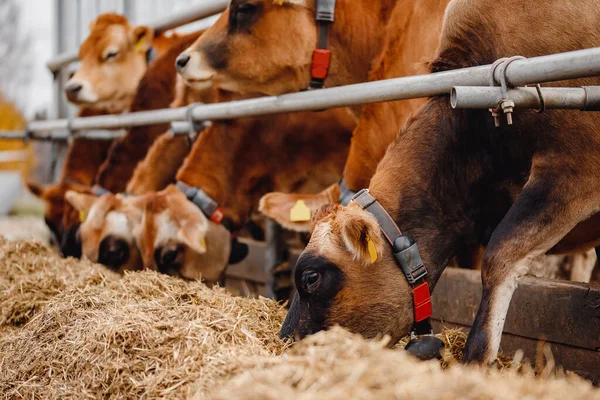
114,252
182,61
73,90
168,260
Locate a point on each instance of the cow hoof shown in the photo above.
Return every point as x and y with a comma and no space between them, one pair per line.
426,347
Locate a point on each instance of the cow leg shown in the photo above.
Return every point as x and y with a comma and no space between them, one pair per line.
545,211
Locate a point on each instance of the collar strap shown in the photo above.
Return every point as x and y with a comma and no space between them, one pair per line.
207,205
321,60
98,190
346,193
151,55
406,254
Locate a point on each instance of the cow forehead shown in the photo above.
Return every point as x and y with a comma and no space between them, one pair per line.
103,37
165,228
117,224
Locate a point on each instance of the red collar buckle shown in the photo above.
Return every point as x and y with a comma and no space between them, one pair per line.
217,216
422,302
320,64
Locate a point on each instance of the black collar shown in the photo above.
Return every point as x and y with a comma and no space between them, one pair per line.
346,193
206,204
151,55
321,61
406,254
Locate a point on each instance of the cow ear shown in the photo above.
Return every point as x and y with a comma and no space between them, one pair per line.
193,235
81,202
37,190
294,211
142,38
361,235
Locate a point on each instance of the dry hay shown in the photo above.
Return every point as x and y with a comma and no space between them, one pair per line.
339,365
151,336
31,275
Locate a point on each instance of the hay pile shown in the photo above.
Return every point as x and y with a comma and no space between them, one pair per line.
339,365
152,336
31,275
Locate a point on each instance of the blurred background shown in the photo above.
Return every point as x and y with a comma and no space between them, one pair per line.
31,33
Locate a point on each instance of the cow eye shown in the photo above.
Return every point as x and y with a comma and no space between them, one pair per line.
310,280
111,55
244,12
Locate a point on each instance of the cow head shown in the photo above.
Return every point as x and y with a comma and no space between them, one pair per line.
107,230
113,60
62,219
340,282
176,238
262,46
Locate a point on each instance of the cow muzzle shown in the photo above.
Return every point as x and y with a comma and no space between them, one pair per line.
114,252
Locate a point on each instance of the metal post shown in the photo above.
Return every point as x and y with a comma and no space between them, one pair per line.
278,284
485,97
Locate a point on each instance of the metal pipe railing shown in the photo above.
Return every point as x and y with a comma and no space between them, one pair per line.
206,8
62,135
571,65
585,98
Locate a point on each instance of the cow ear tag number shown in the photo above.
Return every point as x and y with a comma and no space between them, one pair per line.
82,216
300,212
372,250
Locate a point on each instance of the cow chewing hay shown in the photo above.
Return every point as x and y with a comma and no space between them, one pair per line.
71,329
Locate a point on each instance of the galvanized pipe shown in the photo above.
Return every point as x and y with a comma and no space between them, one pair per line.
571,65
61,135
585,98
206,8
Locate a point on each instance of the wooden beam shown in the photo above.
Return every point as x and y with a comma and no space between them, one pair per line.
557,311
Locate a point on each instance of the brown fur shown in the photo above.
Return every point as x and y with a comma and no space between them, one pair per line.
155,91
444,180
411,38
194,259
259,154
274,54
110,83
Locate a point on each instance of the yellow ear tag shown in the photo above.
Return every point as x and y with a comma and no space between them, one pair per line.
278,2
82,216
203,241
139,46
300,212
372,250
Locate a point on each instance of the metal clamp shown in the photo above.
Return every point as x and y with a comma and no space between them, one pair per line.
538,89
71,134
506,106
196,126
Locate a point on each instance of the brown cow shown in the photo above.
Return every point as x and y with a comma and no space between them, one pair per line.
108,242
116,250
114,57
411,38
156,90
452,177
102,85
234,163
263,47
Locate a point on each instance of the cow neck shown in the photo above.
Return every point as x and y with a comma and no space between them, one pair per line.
411,191
352,54
406,255
207,169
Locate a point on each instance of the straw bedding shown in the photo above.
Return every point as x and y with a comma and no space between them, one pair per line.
74,330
